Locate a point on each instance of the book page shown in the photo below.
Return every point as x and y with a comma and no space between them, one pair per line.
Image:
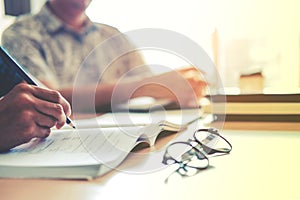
75,147
115,120
123,119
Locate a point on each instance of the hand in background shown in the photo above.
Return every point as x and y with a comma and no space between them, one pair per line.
27,112
195,79
184,86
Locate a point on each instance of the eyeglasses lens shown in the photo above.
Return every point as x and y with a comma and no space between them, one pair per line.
212,142
187,156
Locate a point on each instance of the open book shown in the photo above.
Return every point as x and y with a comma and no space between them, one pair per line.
90,151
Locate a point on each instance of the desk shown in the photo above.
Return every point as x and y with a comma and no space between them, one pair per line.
263,165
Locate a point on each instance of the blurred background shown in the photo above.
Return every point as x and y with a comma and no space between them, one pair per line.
250,41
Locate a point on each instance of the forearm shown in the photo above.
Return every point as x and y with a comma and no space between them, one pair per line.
89,97
168,85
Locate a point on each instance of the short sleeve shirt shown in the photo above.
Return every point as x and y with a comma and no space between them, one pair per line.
54,53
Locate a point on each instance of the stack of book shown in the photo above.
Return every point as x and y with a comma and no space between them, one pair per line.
255,107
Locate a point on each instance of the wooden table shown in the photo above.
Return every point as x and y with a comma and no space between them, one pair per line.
263,165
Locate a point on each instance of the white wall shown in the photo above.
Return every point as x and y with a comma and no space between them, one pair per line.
271,26
275,24
189,17
36,5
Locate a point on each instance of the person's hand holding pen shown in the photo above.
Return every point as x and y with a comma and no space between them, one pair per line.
16,74
28,112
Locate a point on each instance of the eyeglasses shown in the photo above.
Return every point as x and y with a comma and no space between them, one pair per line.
193,154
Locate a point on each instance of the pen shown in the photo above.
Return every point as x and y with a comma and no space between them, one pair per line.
70,122
27,78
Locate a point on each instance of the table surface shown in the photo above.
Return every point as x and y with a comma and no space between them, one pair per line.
263,165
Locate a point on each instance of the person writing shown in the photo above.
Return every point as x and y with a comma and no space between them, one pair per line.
28,112
60,41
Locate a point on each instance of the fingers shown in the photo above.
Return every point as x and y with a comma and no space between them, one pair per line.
38,125
30,112
43,132
186,68
37,132
194,77
45,102
43,120
189,69
48,111
29,125
52,96
34,124
190,73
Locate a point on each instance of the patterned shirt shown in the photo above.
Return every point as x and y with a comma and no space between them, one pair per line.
55,54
